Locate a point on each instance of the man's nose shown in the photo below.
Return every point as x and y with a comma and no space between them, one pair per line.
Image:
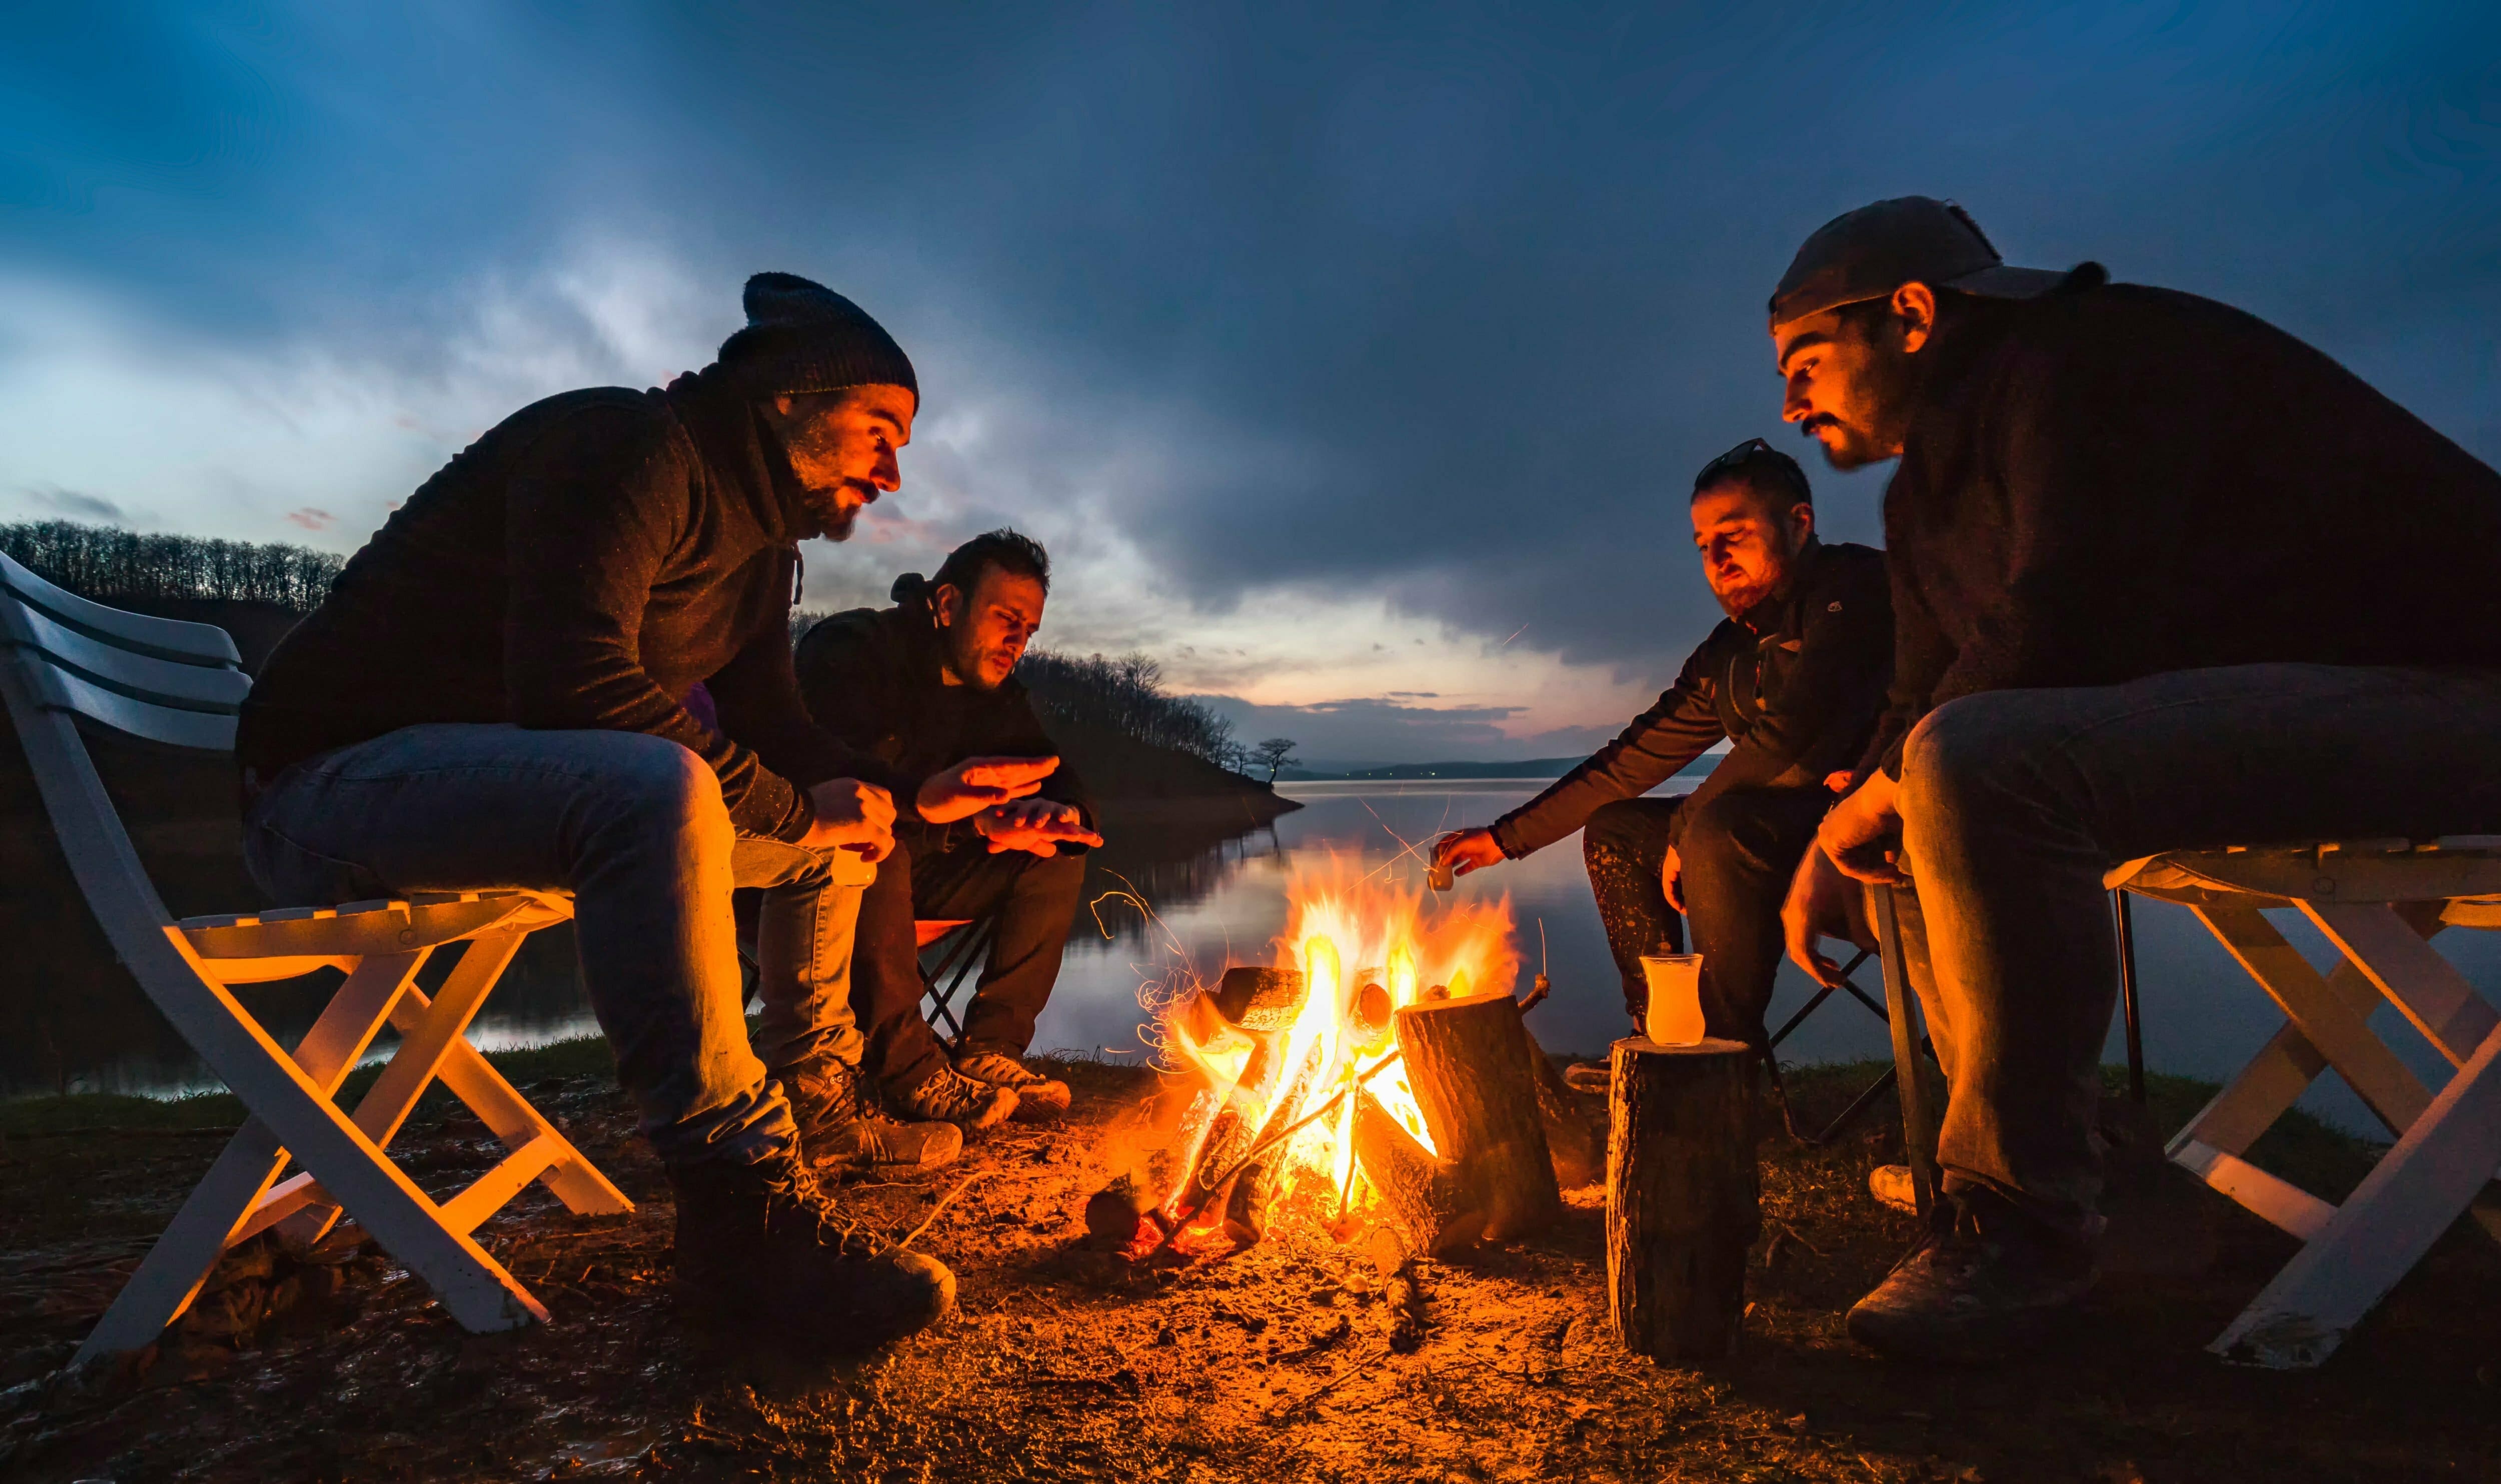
1794,402
888,475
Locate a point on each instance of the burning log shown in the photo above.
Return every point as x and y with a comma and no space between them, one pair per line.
1262,1004
1683,1196
1467,1060
1428,1201
1573,1140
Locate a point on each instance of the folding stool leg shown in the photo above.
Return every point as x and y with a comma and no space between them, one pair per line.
1900,1003
2324,1018
435,1045
2409,1199
234,1200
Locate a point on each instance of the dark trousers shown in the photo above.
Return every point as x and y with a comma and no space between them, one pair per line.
1035,898
1739,850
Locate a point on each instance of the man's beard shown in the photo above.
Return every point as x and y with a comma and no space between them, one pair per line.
1887,386
828,515
1735,600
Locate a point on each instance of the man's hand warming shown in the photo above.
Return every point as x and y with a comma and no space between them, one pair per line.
1036,826
978,783
852,815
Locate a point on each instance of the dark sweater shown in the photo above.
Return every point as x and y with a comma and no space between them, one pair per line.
2113,482
583,565
1795,684
875,677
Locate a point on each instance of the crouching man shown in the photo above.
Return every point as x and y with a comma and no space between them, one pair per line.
2165,578
1794,677
491,696
928,688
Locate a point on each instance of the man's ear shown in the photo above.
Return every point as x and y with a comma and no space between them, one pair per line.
1801,522
1915,310
947,604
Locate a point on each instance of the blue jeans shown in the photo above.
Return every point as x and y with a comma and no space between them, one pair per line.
2015,803
634,828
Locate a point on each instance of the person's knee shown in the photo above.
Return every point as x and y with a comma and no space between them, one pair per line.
1615,828
659,788
1965,752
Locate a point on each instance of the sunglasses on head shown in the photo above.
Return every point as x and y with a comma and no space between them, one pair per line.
1734,459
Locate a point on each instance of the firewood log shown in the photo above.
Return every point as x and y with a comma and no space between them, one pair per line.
1573,1138
1426,1199
1468,1061
1683,1196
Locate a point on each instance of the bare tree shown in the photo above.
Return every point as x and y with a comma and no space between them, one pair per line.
1275,752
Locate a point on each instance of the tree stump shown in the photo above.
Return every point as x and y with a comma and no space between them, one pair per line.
1426,1198
1467,1059
1572,1138
1683,1196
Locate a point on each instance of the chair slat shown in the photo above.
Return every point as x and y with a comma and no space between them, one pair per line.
169,639
144,677
60,690
360,928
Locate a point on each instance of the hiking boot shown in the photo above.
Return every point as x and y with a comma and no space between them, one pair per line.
1039,1099
1985,1281
840,1132
949,1095
1890,1185
761,1245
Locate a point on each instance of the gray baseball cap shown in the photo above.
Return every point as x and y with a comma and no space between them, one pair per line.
1871,252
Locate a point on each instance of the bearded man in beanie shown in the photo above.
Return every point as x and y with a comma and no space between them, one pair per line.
2164,578
494,695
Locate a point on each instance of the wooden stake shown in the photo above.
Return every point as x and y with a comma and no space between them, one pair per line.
1572,1138
1683,1196
1468,1062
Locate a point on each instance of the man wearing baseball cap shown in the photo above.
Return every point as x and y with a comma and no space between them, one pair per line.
2164,578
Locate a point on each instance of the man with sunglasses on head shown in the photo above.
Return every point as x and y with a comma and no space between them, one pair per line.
1793,679
2165,579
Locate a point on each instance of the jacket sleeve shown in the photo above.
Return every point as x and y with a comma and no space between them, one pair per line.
1832,696
1921,655
757,695
590,516
1681,727
2087,553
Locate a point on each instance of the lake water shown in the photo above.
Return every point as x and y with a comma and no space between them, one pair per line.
1221,902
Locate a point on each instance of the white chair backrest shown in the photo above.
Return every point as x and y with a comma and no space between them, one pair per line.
159,678
64,660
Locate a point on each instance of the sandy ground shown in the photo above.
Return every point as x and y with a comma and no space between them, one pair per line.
1270,1365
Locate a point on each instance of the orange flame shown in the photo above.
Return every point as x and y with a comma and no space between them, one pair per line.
1346,930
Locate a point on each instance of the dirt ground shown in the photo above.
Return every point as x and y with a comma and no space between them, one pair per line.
1270,1365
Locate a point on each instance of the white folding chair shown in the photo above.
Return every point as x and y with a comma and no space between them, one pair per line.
69,662
2377,901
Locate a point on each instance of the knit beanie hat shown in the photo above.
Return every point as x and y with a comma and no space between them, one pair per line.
803,337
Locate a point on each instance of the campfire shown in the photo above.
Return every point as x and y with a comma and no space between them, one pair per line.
1375,1080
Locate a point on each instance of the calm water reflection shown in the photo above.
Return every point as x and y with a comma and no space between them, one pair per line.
1220,901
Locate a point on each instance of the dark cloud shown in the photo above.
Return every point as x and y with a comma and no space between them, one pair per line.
1441,304
78,505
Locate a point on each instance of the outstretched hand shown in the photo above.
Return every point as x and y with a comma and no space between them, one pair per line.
1466,850
1862,832
1035,826
978,783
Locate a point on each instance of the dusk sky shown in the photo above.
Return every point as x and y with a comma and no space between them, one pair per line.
1353,361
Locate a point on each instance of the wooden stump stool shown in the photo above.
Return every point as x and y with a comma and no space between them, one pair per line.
1683,1196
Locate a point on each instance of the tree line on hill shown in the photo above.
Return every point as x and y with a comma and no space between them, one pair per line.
106,564
111,564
